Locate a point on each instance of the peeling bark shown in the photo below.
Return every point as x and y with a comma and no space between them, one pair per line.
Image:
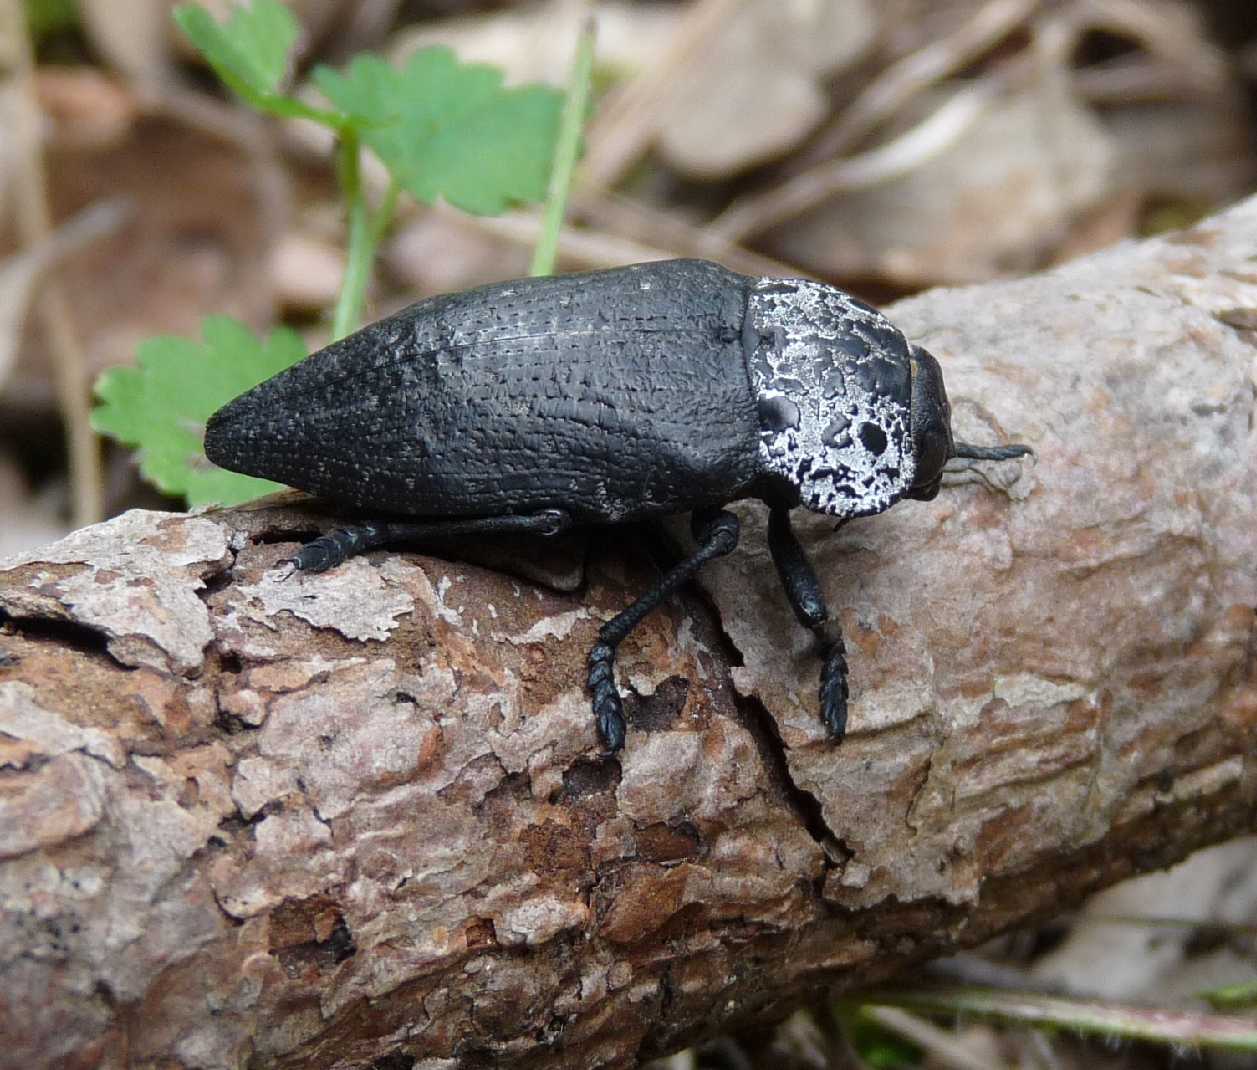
360,819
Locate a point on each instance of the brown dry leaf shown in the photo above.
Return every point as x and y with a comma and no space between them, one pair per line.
29,520
11,103
362,26
1193,150
436,253
534,43
306,272
759,90
84,107
21,273
197,243
1106,224
911,25
1004,190
132,36
1109,954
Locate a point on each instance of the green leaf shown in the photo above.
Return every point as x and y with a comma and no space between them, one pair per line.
566,149
250,53
161,405
250,49
448,129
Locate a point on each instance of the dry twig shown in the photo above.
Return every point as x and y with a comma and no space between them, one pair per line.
625,124
34,226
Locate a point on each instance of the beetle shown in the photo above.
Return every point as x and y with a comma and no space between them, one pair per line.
606,397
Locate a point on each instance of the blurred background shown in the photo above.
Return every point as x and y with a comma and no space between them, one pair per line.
886,146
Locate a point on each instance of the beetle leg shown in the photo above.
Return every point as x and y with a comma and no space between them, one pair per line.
716,532
330,550
803,591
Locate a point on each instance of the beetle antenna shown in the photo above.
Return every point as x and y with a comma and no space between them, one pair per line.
989,453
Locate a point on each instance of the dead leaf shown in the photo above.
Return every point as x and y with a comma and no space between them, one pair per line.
132,35
306,272
759,90
21,273
85,107
990,202
30,520
534,43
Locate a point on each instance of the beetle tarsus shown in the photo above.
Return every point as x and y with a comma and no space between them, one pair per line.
716,531
336,547
833,690
608,709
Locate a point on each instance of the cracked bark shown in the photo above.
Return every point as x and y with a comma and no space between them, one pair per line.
359,819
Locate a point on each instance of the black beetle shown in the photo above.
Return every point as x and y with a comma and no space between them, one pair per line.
607,397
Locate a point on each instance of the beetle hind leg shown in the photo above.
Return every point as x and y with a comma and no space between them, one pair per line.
803,590
716,532
336,547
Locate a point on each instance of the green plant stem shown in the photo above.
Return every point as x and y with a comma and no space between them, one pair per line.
353,292
573,119
366,229
293,108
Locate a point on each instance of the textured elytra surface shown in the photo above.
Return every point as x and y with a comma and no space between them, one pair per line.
301,845
845,370
612,395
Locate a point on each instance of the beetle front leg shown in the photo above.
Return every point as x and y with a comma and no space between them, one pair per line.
716,532
803,591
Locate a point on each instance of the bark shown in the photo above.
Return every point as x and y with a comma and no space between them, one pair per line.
360,819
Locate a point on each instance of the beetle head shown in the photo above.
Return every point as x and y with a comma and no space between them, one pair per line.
932,444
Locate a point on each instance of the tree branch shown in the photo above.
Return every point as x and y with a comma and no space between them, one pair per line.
342,818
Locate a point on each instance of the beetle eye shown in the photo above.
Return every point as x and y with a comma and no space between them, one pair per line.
931,425
931,457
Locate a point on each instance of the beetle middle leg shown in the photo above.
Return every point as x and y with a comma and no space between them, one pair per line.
803,591
332,549
716,532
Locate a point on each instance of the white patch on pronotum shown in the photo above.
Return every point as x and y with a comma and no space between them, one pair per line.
843,369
